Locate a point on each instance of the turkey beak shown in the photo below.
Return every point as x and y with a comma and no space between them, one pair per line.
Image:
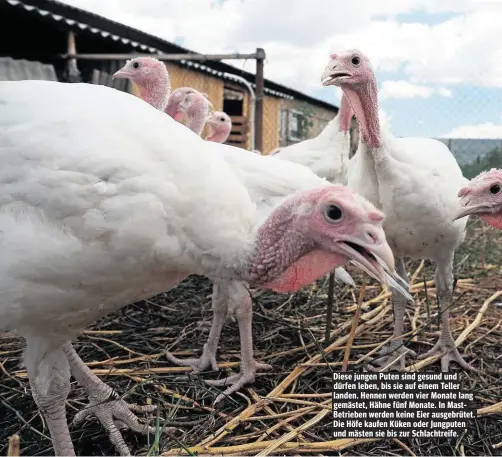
469,210
370,252
332,75
327,77
467,206
121,74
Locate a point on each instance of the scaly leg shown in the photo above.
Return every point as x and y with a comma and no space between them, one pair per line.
112,412
49,375
392,355
242,306
208,357
445,345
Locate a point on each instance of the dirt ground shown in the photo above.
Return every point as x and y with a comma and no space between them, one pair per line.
288,410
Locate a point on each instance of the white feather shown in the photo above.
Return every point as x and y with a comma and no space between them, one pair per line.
98,193
327,155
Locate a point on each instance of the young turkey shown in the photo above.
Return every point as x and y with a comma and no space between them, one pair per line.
150,80
219,126
98,211
414,181
270,182
193,111
482,196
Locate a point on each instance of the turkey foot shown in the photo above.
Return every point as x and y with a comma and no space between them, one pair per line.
113,412
204,362
237,381
115,415
445,347
391,357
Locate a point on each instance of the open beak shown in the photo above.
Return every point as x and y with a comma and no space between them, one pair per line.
333,76
121,74
376,259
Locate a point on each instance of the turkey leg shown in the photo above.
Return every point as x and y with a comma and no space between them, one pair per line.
208,357
242,306
445,345
392,355
49,375
104,403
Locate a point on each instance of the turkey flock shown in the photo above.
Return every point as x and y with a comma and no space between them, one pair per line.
125,197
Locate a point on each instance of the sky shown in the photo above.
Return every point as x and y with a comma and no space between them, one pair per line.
438,63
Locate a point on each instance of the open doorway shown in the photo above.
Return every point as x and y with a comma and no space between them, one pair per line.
233,105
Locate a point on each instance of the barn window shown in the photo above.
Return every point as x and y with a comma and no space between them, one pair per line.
283,123
296,126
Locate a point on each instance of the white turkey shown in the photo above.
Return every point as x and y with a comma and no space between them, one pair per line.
270,181
190,107
106,201
219,126
414,181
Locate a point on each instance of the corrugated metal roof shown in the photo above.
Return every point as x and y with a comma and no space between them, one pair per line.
81,26
208,68
18,70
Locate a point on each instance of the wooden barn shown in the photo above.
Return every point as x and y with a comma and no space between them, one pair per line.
37,33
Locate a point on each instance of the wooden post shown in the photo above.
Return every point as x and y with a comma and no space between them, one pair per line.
260,82
72,75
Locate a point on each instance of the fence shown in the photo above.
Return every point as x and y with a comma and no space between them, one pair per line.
282,121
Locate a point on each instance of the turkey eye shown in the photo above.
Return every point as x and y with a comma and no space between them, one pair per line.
356,60
495,189
333,213
222,119
135,65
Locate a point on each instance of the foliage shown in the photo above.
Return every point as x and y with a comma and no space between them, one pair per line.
491,160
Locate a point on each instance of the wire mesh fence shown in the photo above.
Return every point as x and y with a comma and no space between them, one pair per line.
466,118
475,140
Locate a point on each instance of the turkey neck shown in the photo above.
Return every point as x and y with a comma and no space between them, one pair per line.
156,93
364,101
196,121
495,219
217,136
345,114
280,244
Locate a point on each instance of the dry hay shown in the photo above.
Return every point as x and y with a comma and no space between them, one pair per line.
287,411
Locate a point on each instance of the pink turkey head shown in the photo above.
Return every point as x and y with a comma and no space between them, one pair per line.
351,70
316,230
150,77
347,67
176,97
220,126
193,111
483,196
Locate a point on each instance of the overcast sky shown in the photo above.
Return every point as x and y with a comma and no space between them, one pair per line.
438,62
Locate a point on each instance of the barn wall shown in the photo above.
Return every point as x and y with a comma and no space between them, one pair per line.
213,87
271,107
318,115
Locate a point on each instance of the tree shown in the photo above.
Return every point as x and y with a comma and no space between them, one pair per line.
491,160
